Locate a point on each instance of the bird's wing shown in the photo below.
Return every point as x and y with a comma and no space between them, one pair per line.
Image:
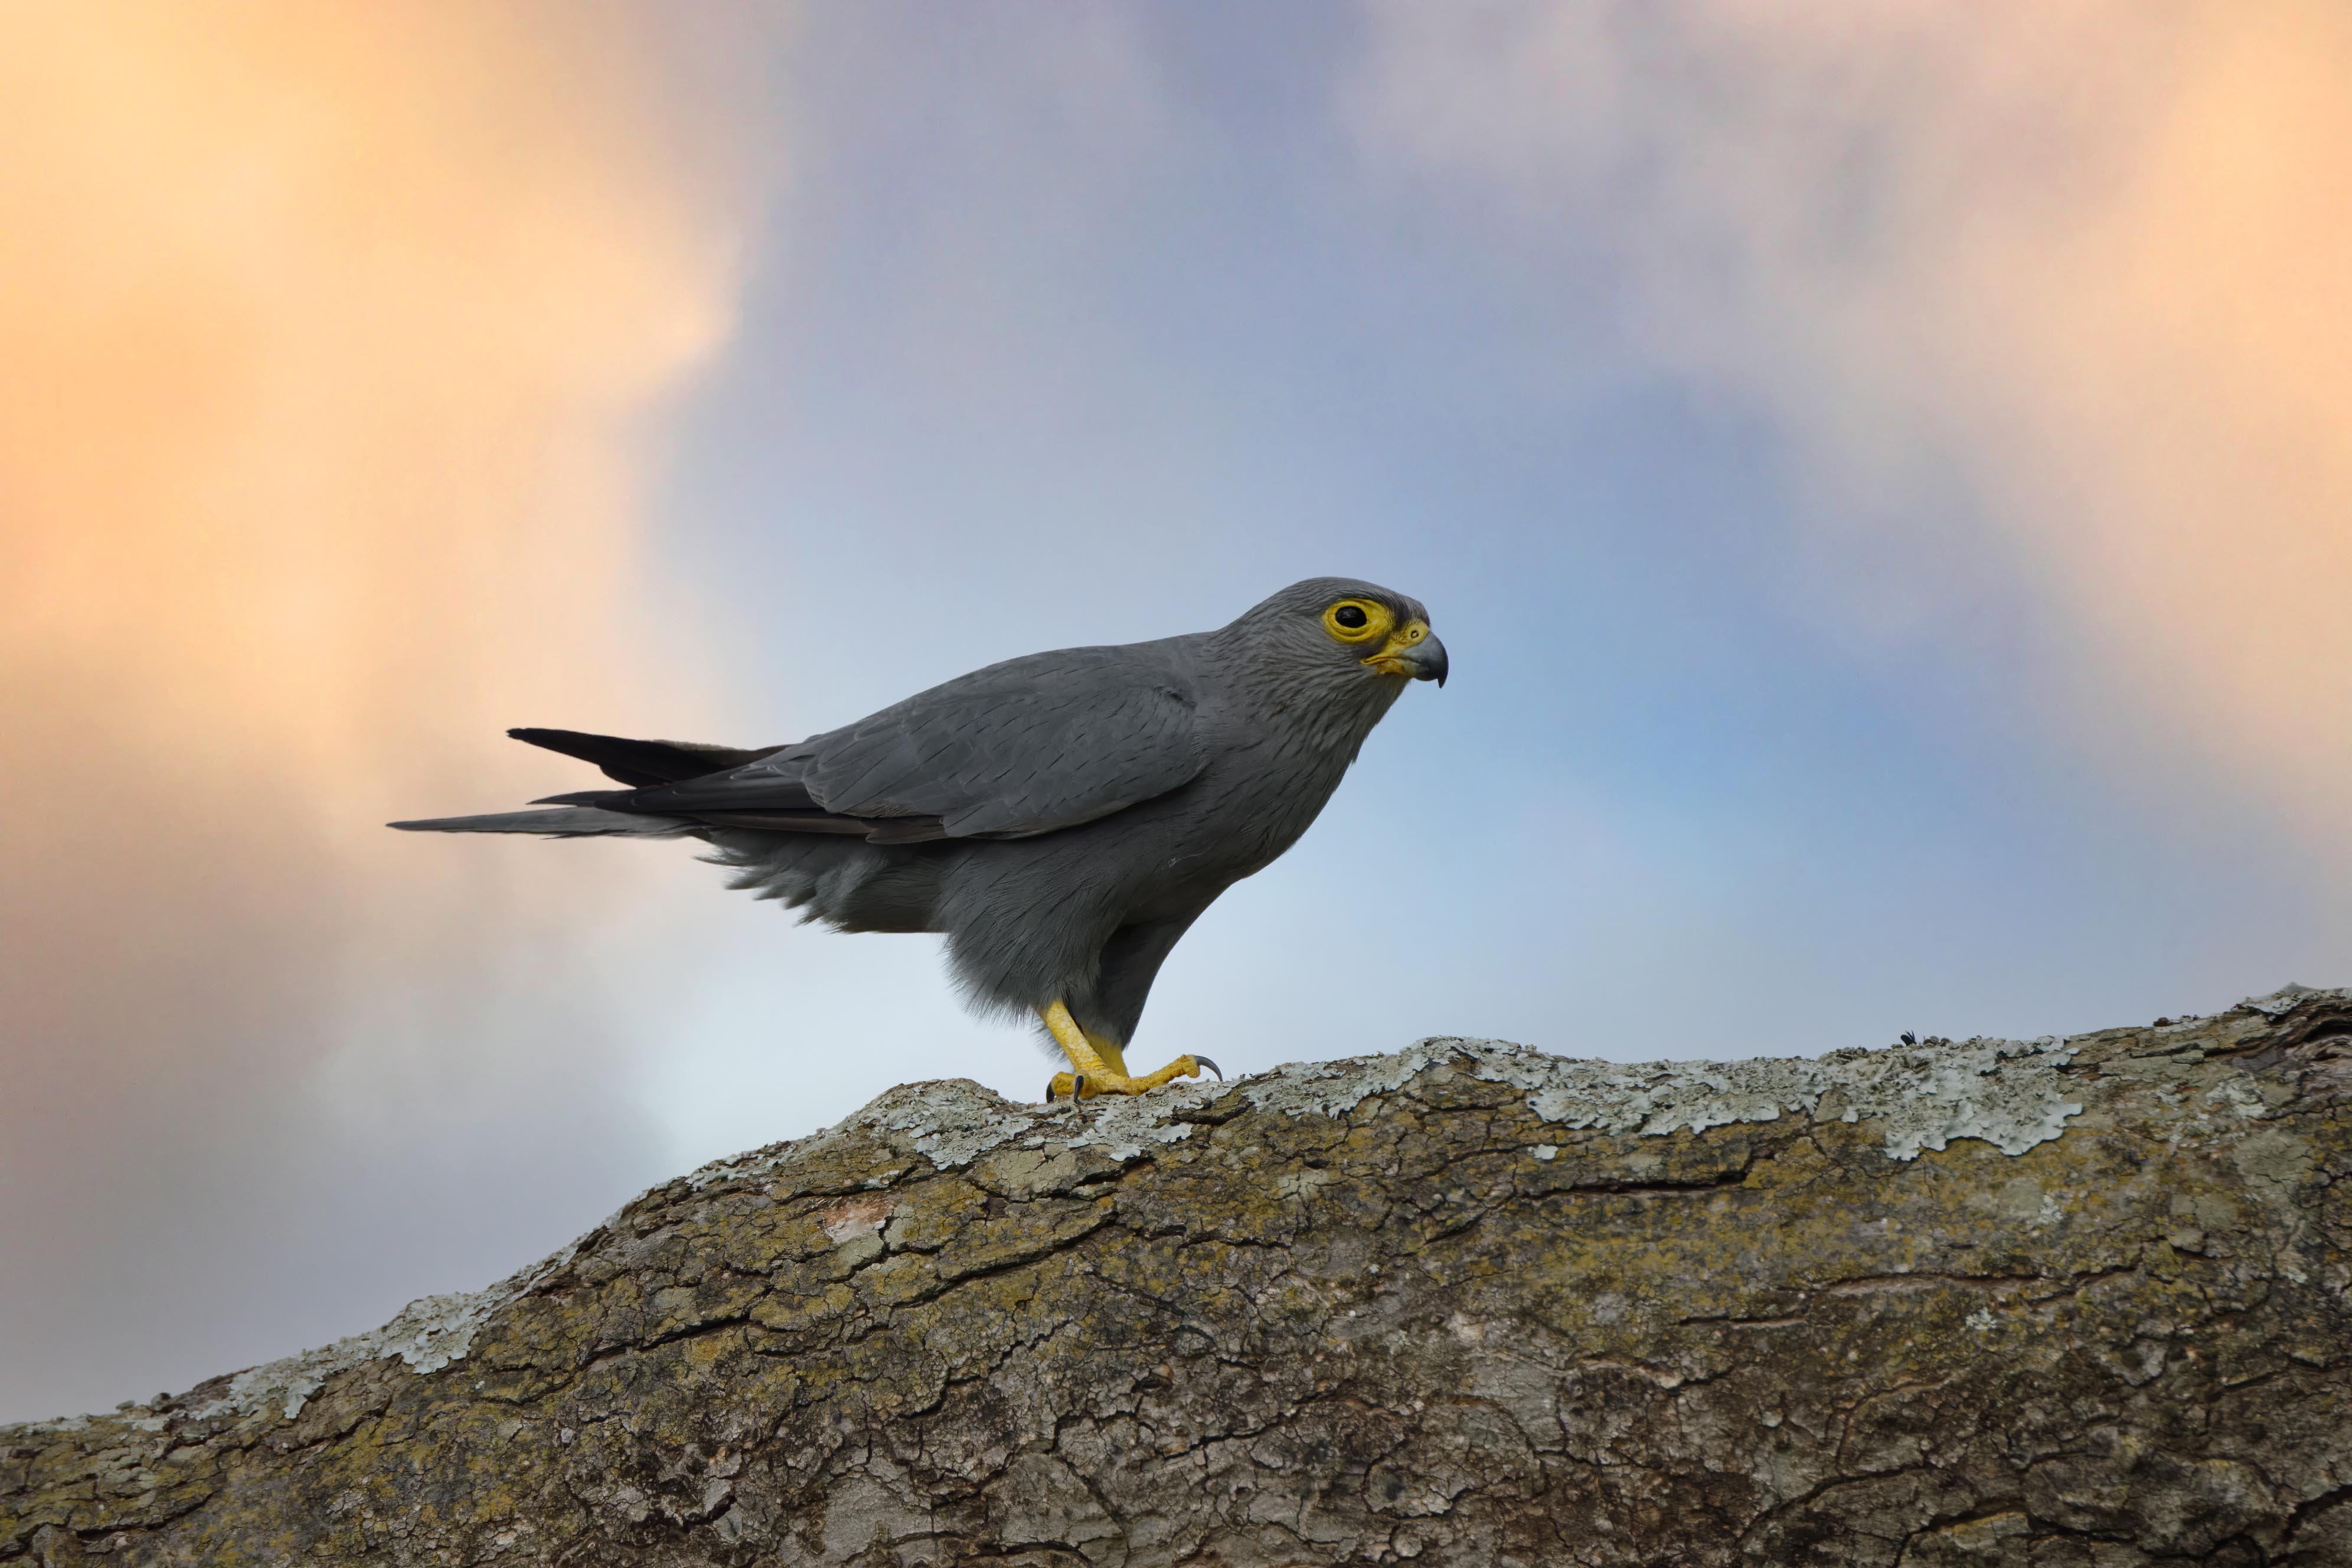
1021,748
644,762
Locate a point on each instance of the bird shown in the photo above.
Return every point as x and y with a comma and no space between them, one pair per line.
1062,819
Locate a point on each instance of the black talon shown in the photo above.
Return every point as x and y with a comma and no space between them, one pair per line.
1078,1086
1204,1062
1049,1091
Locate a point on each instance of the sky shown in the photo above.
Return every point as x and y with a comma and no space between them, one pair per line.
1884,477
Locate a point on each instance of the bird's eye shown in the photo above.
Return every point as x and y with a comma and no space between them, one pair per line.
1358,620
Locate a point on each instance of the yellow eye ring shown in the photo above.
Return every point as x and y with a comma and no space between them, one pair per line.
1358,621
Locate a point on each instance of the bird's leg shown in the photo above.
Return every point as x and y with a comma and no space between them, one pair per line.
1113,1054
1098,1065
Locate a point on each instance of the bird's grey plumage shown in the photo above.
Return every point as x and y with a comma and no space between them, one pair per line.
1062,819
1025,747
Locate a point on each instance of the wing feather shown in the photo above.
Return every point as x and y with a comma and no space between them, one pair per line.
1022,748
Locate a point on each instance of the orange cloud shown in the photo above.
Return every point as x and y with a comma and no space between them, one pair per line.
331,342
327,330
2093,263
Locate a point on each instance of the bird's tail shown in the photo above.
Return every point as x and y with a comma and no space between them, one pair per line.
567,822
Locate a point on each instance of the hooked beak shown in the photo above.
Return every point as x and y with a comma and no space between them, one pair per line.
1413,651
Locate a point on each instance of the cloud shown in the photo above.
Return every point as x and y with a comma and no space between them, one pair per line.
330,340
2049,300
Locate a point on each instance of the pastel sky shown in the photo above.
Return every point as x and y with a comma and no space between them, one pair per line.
1883,476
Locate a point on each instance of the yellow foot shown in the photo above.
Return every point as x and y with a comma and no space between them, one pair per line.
1099,1068
1086,1085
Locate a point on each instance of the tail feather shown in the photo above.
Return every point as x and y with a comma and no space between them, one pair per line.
576,822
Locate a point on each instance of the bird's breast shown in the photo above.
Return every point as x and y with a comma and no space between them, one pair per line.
1255,804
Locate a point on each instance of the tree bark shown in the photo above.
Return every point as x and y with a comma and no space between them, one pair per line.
2078,1302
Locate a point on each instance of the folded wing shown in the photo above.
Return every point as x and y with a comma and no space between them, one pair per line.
1027,747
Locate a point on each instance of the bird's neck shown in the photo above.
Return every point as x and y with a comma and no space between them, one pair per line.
1315,712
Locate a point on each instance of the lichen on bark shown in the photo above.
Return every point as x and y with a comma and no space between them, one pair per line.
2078,1302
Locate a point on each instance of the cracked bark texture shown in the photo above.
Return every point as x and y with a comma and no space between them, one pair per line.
1398,1310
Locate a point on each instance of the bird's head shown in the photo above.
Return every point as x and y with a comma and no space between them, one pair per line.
1339,632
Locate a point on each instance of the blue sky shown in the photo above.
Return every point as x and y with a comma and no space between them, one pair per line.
1891,552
